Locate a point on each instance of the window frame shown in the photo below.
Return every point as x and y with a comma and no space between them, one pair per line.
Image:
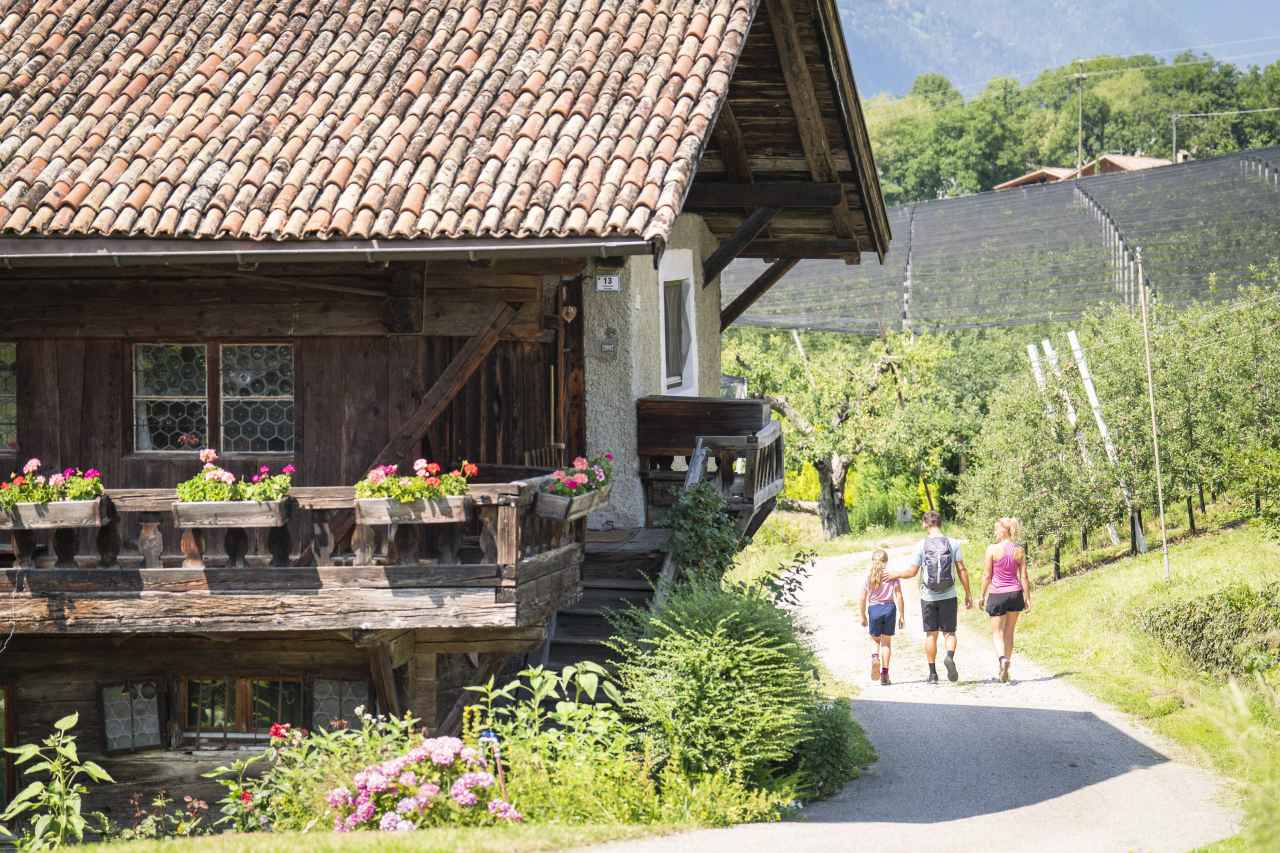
677,266
241,688
213,397
162,712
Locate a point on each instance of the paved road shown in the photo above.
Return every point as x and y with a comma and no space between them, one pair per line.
1034,765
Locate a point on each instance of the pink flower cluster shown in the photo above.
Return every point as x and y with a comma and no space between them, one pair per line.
404,793
586,475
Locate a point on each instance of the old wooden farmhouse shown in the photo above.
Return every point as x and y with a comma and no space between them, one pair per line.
335,235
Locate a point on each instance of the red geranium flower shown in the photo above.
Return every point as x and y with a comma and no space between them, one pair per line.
246,797
279,730
469,469
19,480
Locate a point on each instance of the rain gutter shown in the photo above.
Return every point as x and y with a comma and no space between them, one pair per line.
46,252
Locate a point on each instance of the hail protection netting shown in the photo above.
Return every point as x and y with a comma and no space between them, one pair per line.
1041,254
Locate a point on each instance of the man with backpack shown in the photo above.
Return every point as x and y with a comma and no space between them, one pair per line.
938,561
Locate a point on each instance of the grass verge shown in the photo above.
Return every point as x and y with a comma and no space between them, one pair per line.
786,533
498,839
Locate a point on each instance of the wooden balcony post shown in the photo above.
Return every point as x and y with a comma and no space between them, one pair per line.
24,549
192,548
322,543
236,543
109,543
150,542
66,540
280,544
363,541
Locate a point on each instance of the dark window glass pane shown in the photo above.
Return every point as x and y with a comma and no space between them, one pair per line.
8,398
210,704
171,424
170,370
257,426
276,702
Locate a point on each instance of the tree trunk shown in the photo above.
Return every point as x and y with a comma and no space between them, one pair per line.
928,497
1057,558
832,475
1202,509
1191,514
1084,540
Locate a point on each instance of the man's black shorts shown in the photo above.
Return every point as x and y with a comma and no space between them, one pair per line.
940,615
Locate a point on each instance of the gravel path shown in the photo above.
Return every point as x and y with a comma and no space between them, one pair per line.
1034,765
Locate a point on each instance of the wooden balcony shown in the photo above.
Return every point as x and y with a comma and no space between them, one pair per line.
500,565
734,444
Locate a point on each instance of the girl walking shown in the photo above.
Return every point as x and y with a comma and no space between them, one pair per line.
882,612
1006,590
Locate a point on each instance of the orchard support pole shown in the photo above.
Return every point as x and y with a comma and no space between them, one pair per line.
1073,420
1082,364
1151,398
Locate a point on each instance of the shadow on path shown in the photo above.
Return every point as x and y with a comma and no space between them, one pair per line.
959,761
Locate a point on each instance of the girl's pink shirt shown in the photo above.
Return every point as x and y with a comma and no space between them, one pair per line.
882,594
1004,571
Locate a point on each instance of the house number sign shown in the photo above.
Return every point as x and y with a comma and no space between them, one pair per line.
608,282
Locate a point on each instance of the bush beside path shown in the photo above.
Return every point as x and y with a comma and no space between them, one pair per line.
1034,765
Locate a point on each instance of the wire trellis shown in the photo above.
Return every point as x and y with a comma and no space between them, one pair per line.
1035,255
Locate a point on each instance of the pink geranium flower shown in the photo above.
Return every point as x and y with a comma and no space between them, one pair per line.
93,474
208,456
32,465
580,462
288,469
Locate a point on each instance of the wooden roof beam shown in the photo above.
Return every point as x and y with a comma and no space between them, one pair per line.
729,249
755,290
803,248
804,101
733,151
782,194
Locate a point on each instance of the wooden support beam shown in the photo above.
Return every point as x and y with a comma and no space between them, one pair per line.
801,248
382,673
780,194
755,290
733,151
452,723
804,102
732,247
404,444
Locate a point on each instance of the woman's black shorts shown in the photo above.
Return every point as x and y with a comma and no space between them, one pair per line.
1000,603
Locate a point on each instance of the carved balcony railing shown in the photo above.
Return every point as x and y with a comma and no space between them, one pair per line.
499,564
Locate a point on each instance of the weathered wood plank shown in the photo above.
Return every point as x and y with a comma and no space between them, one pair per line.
670,426
450,510
779,194
219,581
730,248
317,610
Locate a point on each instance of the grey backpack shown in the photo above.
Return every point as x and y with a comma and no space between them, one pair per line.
936,563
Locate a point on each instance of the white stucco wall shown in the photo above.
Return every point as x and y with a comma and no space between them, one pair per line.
622,338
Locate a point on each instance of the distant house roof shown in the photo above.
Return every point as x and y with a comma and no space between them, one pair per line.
395,119
1043,175
1120,163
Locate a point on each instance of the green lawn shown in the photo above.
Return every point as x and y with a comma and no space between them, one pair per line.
503,839
1084,626
786,533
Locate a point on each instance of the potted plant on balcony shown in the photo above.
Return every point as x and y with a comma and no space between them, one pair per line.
216,498
34,501
574,492
429,496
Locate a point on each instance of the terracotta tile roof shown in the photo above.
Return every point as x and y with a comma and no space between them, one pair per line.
253,119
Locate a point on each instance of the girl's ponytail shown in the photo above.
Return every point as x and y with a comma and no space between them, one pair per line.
879,562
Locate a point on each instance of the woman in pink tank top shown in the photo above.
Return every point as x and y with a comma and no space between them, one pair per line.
1006,589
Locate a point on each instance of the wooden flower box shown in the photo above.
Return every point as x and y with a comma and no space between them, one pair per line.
565,508
202,514
450,510
58,514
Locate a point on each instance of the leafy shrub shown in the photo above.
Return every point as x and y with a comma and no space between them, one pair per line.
830,758
50,806
285,788
570,757
778,530
704,539
161,820
1232,630
726,696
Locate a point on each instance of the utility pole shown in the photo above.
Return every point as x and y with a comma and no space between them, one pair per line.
1151,398
1079,124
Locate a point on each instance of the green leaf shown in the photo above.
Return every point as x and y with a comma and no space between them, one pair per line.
589,682
68,751
25,753
611,690
96,773
68,722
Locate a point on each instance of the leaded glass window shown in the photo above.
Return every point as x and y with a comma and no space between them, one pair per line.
333,700
211,704
8,396
257,398
170,397
131,715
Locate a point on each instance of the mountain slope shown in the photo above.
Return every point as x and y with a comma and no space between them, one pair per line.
970,41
